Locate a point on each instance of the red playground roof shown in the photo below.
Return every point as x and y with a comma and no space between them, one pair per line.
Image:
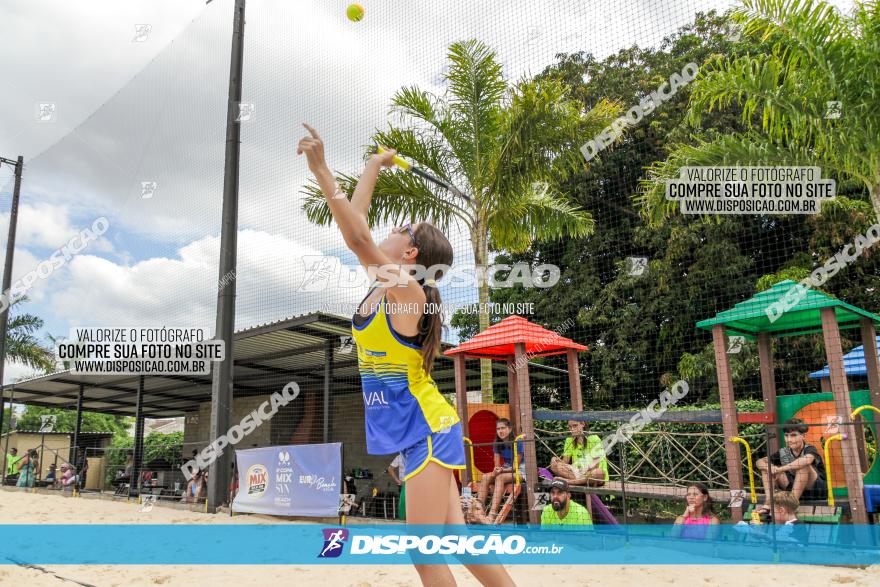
496,342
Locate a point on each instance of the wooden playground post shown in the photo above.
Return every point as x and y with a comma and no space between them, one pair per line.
574,381
461,400
872,363
843,407
728,415
528,428
513,396
768,386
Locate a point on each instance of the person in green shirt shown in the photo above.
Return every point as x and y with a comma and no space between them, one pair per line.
562,511
583,459
12,463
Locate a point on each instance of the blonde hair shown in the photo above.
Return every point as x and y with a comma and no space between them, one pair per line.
787,501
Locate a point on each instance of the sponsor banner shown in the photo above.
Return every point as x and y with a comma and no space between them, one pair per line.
295,480
258,544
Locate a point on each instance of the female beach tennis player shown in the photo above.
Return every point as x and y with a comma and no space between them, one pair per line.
396,344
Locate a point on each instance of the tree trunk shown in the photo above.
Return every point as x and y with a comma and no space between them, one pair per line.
481,257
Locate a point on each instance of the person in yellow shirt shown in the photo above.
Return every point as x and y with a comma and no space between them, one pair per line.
583,459
562,511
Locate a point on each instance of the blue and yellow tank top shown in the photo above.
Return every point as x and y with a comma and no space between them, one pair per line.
402,405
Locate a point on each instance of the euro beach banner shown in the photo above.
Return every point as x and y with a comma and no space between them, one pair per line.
301,480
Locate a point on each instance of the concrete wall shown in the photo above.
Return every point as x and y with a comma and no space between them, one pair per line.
195,436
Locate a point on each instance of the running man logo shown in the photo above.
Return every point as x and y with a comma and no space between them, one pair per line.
735,344
334,540
141,32
832,424
446,423
147,503
148,189
322,269
636,266
737,496
46,112
245,111
345,344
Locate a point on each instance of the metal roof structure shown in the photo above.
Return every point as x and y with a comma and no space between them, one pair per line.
266,358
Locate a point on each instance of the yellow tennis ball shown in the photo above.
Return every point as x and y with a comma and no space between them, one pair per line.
355,12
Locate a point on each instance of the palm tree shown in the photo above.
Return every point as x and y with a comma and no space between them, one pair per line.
506,147
788,97
21,344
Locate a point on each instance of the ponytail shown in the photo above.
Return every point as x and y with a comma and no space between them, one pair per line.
435,253
431,326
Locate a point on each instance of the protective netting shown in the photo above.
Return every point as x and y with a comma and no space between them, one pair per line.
512,104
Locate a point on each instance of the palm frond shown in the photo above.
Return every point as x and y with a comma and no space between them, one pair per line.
538,215
476,90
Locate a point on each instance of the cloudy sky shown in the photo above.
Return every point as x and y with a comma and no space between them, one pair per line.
136,94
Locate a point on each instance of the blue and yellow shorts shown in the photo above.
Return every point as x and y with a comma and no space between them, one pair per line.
445,448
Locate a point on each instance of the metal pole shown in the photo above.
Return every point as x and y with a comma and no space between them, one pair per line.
7,281
42,444
134,483
221,388
623,481
78,425
328,374
8,434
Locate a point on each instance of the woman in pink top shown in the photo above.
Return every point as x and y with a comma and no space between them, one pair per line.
697,515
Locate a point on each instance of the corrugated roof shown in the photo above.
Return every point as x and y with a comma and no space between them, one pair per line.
853,364
267,357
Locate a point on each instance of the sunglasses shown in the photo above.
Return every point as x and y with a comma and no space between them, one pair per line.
408,229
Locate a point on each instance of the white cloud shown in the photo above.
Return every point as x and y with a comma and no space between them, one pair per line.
43,224
182,291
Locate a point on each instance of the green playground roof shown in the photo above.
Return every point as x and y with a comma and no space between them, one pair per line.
752,316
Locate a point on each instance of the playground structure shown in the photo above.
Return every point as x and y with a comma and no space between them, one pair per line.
515,340
814,313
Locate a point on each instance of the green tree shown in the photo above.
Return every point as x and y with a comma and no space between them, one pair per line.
506,146
157,446
641,329
65,421
21,344
805,54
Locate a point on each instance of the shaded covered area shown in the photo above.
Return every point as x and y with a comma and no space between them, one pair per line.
314,350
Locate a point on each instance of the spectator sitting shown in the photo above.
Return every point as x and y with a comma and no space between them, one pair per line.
12,464
697,517
562,511
68,477
50,475
195,487
785,507
124,475
797,468
27,469
583,458
502,475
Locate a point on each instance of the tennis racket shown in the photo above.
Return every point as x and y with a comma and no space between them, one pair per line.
407,166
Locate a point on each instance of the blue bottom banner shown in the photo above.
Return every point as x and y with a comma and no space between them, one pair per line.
263,544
